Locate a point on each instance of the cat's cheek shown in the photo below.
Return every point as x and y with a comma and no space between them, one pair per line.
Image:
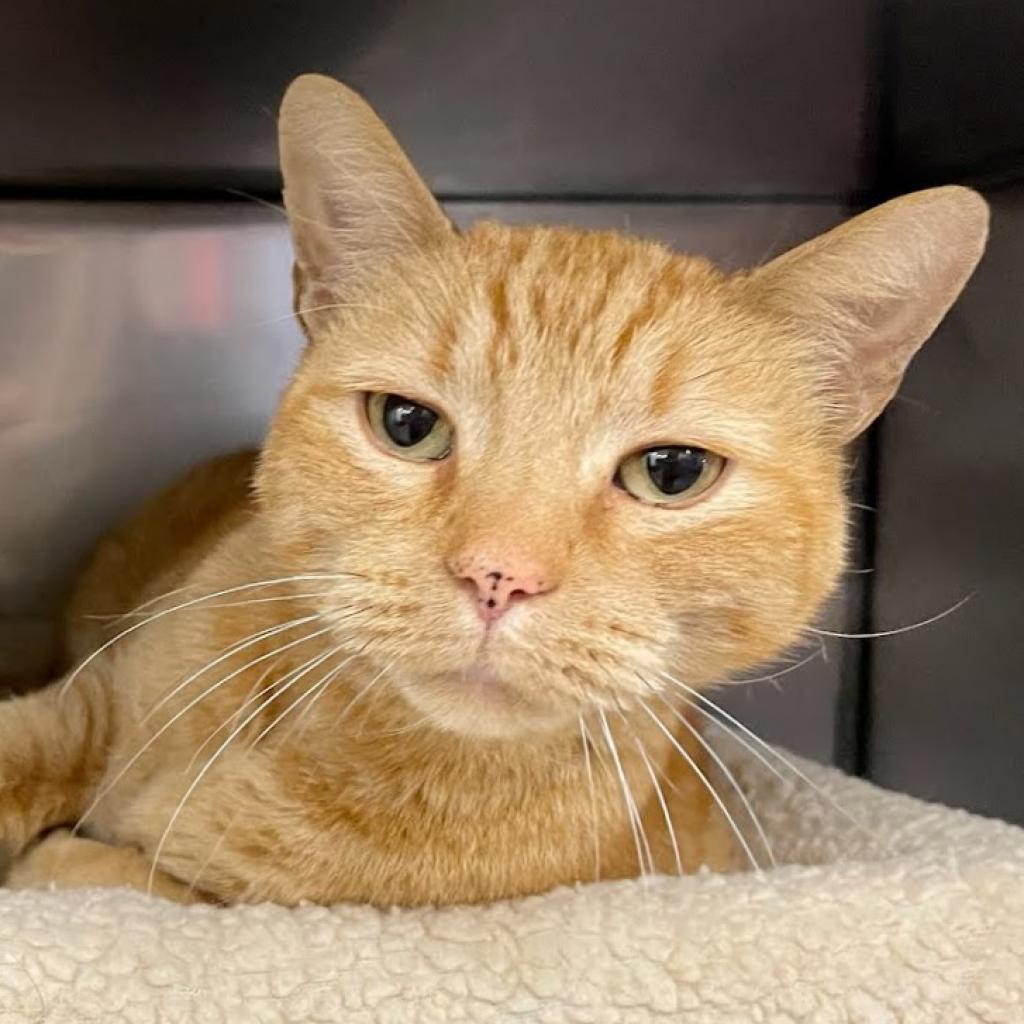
649,534
346,436
738,493
336,467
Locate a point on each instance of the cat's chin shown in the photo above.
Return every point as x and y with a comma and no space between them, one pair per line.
478,703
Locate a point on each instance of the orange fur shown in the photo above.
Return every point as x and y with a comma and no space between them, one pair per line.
555,354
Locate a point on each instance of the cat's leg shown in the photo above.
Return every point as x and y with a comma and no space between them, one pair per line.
65,861
53,748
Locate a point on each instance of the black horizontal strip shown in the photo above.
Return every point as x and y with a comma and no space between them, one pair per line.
994,173
655,198
257,193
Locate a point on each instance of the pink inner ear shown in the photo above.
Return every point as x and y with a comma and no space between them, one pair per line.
865,296
352,196
312,297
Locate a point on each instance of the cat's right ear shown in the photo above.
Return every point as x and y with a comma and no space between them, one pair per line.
353,198
866,295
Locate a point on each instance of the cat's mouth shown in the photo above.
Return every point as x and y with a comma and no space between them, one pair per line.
480,701
483,681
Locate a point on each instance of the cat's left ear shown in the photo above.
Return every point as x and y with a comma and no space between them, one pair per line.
869,293
352,196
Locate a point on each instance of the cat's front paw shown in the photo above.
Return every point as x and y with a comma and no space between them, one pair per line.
65,861
51,861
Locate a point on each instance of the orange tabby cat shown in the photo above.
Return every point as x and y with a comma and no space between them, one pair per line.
526,487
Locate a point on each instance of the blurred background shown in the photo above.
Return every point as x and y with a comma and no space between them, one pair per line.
144,279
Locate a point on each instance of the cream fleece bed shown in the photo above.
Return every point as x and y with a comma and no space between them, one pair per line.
918,919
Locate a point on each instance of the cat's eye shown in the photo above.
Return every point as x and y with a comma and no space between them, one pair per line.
408,428
669,475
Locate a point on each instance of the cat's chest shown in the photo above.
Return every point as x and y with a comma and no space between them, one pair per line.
357,820
255,827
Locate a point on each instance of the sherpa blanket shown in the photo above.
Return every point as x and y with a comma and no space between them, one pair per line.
916,917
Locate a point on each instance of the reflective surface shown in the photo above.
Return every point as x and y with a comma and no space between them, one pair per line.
132,345
137,340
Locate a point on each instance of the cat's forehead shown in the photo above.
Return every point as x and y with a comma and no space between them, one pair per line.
547,304
563,329
602,285
587,319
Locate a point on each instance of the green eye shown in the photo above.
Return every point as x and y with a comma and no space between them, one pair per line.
670,475
407,428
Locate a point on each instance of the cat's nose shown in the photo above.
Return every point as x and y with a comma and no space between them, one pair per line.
495,582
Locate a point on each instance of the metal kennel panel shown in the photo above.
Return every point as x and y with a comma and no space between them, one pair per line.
138,339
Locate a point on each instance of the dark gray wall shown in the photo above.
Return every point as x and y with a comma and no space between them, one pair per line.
947,704
955,92
580,96
943,707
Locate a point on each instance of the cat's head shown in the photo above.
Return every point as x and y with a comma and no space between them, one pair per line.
558,463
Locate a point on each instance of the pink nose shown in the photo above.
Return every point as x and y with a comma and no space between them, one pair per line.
496,583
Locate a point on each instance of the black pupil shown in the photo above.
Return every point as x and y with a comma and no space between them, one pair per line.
675,470
406,422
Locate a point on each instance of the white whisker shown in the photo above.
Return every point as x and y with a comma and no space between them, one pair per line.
669,826
632,811
308,667
258,199
706,702
140,607
315,689
75,673
586,740
369,686
775,676
250,641
233,718
729,777
213,852
707,784
225,604
362,693
323,686
230,722
410,728
254,693
240,645
108,787
330,307
316,692
895,632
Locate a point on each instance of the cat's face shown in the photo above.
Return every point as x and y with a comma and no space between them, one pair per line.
601,461
551,358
